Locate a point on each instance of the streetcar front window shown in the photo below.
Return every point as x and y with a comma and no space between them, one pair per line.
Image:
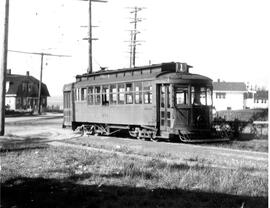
201,95
181,96
209,97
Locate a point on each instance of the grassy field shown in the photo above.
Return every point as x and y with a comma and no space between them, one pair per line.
45,176
258,145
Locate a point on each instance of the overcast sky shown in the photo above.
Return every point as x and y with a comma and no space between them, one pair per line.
226,39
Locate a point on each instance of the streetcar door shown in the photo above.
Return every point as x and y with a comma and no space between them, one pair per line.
67,108
165,107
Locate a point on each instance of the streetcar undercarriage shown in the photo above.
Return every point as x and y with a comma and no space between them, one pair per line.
219,132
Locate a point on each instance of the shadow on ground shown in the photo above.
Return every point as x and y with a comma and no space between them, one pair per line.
39,192
13,143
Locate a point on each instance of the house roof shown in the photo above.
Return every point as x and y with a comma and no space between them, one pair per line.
15,85
229,86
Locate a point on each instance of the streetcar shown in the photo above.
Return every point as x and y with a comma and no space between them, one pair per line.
159,101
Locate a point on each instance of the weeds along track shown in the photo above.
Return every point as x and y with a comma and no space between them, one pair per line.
191,164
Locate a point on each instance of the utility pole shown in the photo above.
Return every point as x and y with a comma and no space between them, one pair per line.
130,50
40,83
3,66
133,41
90,62
41,71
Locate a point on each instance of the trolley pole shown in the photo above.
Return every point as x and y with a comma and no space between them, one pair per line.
3,66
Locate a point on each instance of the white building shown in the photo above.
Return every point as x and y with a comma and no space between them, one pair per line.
257,99
229,95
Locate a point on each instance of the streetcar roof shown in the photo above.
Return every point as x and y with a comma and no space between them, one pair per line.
173,71
163,67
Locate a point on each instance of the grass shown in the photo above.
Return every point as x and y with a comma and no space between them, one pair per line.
192,158
67,177
257,145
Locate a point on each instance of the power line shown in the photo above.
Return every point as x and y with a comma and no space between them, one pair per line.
41,54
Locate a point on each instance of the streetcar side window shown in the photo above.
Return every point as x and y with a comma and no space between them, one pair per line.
129,93
78,94
90,95
97,95
75,94
138,92
147,92
121,93
105,95
83,94
113,94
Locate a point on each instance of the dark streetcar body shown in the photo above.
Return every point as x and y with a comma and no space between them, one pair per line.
150,102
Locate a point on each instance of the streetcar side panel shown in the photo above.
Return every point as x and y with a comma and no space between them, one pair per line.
124,114
140,110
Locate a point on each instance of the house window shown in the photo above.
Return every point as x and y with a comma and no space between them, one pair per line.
24,86
7,86
18,101
30,87
24,101
43,101
220,95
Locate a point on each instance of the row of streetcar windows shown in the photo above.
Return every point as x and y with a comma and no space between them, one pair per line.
122,93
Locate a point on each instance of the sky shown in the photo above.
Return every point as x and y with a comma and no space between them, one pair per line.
225,39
